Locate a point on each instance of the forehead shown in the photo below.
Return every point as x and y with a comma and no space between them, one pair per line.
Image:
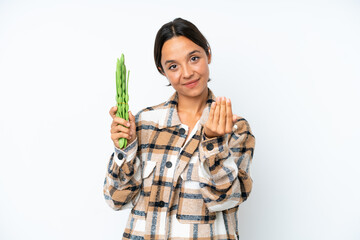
178,47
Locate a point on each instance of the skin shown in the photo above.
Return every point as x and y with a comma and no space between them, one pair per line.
120,128
183,62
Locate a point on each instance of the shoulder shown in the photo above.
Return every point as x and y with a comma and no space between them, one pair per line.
152,112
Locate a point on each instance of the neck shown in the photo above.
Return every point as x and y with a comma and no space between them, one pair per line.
192,105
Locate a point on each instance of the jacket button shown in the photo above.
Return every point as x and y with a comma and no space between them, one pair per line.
168,164
182,131
120,156
210,146
161,204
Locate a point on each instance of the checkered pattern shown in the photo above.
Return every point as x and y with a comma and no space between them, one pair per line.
180,189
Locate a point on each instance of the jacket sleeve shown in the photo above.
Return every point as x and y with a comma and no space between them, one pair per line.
123,177
224,170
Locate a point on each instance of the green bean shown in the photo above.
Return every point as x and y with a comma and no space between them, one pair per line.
122,93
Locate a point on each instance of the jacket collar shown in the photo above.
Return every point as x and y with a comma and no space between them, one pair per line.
171,117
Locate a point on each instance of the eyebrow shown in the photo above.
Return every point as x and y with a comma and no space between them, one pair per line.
190,53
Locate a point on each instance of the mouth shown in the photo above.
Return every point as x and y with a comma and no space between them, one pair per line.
191,84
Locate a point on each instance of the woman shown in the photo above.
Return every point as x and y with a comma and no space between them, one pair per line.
185,169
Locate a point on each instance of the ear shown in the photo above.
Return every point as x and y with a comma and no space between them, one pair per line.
209,56
161,71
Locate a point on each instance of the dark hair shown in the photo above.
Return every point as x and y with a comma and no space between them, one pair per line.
175,28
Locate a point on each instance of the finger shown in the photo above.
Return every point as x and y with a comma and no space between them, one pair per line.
229,117
222,120
131,117
235,118
132,124
121,121
132,120
112,111
120,128
217,112
116,143
116,136
211,113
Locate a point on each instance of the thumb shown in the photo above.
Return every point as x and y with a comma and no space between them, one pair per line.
131,118
235,118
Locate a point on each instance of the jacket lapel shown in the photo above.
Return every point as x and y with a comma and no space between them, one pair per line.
192,145
171,119
187,152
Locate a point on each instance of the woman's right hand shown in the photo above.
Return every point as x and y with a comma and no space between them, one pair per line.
120,128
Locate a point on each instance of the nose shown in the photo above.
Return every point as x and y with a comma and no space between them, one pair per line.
187,71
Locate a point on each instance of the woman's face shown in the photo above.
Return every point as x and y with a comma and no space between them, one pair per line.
185,65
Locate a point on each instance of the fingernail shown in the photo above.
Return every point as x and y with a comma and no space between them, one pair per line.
228,100
128,124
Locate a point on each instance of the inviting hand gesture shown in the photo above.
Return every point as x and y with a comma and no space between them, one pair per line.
120,128
221,119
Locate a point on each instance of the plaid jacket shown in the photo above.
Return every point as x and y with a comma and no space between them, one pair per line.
178,189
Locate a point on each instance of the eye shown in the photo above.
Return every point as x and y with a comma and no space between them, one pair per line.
172,67
194,58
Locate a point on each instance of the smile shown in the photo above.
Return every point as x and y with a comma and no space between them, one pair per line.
192,84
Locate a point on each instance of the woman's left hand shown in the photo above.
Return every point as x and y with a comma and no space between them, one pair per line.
221,119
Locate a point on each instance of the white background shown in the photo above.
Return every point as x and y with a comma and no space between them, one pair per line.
291,68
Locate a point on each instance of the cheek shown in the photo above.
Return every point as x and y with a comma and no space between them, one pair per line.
203,68
173,77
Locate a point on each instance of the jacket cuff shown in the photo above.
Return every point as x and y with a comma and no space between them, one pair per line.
127,154
213,148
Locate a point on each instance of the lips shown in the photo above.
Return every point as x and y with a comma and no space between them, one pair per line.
191,82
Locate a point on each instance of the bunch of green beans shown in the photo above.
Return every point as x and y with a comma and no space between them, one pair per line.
122,94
